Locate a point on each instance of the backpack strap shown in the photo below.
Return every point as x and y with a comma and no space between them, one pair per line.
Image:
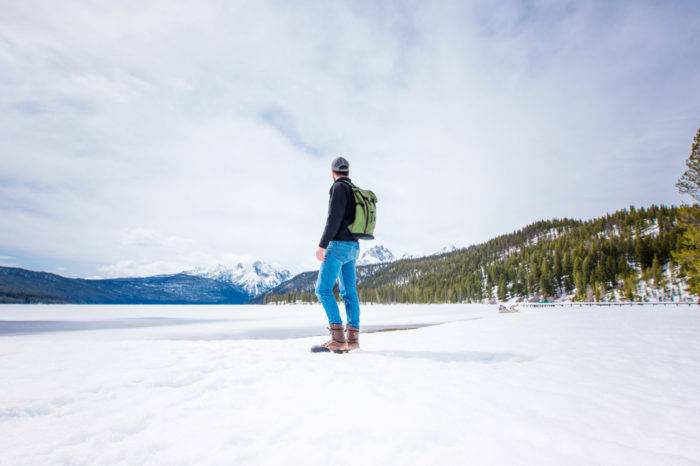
347,182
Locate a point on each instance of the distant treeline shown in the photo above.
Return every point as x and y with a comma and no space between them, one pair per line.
588,260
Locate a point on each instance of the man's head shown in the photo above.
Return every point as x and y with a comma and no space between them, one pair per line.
340,167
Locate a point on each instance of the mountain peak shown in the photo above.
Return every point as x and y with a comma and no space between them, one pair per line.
253,275
376,255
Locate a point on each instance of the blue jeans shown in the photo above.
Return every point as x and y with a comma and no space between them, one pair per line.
339,262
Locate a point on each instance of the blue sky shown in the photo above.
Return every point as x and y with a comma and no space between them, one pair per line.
150,138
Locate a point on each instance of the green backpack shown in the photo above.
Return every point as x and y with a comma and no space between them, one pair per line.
365,212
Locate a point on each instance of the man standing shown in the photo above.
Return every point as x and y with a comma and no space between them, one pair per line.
338,250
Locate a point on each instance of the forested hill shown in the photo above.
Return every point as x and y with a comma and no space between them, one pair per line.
26,286
626,255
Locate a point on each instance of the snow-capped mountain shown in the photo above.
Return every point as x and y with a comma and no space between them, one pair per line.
254,276
376,255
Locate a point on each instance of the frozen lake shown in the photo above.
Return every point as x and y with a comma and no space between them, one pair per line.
433,384
211,322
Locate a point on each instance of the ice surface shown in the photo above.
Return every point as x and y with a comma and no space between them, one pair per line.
458,385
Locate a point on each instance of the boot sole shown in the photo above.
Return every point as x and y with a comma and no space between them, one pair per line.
322,349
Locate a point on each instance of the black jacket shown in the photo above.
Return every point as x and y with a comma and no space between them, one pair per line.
341,213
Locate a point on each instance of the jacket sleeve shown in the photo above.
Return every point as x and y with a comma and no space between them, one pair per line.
336,211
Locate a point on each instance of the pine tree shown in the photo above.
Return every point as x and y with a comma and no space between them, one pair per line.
597,291
623,267
630,287
688,255
689,183
610,269
546,288
656,272
586,269
567,270
557,269
579,279
599,271
502,289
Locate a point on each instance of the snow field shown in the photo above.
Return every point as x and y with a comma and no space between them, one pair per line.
237,385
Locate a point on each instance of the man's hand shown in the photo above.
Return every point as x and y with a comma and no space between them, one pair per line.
320,254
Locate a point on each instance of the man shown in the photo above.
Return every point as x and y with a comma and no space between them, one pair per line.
338,251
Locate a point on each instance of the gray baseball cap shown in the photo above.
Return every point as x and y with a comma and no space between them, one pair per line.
340,165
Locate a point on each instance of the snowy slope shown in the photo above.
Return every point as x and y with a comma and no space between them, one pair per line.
237,385
254,275
445,250
375,255
419,254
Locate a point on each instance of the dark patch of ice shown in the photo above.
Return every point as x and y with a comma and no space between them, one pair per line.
286,333
25,327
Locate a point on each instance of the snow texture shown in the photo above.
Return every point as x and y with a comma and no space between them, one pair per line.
184,385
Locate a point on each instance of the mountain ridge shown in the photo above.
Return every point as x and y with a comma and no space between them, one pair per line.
235,284
626,255
19,285
253,275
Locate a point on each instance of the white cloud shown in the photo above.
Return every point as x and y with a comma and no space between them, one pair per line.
174,264
130,268
165,136
149,238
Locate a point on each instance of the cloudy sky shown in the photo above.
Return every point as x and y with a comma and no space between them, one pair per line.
149,137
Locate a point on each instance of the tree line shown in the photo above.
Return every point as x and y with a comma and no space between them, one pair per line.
590,260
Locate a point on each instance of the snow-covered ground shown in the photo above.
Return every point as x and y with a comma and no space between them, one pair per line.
237,385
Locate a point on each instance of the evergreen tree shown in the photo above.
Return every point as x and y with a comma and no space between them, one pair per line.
502,289
630,287
689,183
656,272
688,254
586,270
579,279
623,267
546,288
597,291
599,271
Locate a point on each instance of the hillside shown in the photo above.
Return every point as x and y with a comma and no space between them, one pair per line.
25,286
301,286
624,255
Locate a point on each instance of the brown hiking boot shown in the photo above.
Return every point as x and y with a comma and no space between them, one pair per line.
353,338
337,343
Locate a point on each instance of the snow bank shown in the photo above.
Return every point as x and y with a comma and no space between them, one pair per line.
237,385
